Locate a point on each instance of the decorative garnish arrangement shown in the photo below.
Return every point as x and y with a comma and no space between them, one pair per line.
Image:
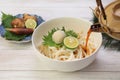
19,27
65,45
52,39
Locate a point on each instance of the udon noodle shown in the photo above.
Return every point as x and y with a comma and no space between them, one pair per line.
64,54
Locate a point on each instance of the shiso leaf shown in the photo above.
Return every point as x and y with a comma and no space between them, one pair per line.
6,22
11,36
71,33
7,19
47,39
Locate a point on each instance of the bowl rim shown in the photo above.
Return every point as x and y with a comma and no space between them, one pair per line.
54,60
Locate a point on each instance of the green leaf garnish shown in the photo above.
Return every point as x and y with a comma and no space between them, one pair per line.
71,33
11,36
47,39
7,19
6,22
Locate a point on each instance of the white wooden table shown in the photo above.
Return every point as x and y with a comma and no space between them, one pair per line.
18,61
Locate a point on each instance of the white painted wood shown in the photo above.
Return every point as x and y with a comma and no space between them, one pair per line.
18,61
53,75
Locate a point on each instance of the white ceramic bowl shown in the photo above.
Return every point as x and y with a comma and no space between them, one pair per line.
76,25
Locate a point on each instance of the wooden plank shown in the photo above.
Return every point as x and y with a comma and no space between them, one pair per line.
6,45
57,12
53,75
53,3
20,60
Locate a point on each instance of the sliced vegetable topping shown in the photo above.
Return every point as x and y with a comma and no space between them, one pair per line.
30,23
71,42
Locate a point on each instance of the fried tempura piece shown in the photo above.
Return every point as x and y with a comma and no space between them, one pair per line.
18,23
27,16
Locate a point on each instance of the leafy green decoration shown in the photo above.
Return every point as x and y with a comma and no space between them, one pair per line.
107,40
7,19
71,33
11,36
47,39
6,22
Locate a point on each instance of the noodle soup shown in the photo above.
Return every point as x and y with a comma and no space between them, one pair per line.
65,49
63,52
